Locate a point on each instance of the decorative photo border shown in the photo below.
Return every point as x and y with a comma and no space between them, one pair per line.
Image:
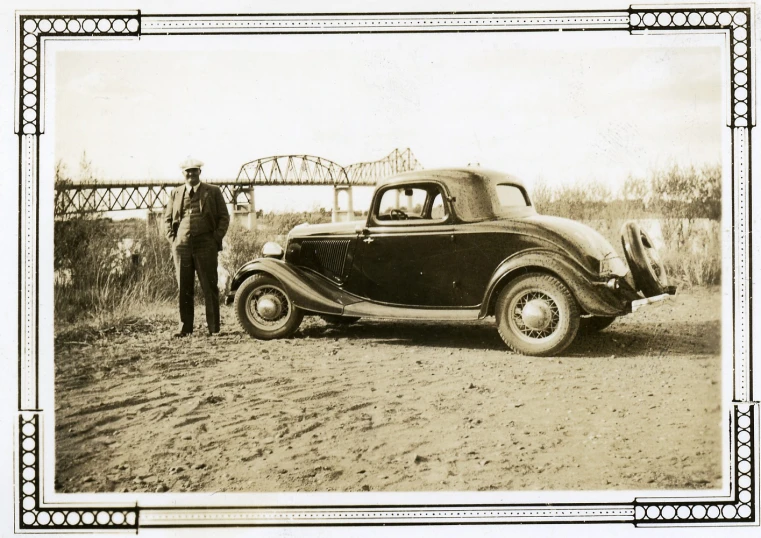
740,507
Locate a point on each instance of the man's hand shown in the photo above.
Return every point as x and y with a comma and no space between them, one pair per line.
169,231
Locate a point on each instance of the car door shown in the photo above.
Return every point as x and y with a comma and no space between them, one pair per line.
479,248
405,250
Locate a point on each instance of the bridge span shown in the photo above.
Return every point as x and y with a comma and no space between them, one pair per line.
100,196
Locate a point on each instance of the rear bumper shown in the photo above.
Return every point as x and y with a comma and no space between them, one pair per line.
639,303
598,299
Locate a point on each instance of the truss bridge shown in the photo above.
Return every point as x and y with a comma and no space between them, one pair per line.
100,196
309,170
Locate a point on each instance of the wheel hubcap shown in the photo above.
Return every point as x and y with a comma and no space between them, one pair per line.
537,314
269,307
534,315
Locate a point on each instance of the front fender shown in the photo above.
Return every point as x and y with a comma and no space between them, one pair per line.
306,290
593,296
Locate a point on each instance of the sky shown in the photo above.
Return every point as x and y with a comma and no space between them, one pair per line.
553,107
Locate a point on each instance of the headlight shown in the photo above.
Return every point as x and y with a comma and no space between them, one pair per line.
272,250
613,266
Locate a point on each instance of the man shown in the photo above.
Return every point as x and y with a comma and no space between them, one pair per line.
196,220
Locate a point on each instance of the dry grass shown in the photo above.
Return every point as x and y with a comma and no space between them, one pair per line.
690,249
108,269
680,207
693,251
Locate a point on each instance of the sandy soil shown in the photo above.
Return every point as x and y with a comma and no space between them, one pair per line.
392,406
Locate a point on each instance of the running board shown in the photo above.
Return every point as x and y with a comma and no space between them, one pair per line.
364,309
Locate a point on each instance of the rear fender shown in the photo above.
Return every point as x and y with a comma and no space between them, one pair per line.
306,290
591,294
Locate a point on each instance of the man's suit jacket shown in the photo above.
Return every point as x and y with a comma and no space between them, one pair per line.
212,205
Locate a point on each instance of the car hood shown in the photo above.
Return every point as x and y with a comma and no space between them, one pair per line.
331,228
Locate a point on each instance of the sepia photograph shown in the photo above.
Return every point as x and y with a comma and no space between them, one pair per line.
308,261
478,322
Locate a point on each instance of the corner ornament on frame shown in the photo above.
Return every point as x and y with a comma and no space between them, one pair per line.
33,516
33,29
735,20
740,508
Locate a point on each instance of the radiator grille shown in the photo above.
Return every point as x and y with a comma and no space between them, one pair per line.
329,254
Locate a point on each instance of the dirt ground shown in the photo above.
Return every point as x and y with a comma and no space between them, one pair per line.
392,406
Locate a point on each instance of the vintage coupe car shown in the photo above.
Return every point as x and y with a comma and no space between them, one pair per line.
452,244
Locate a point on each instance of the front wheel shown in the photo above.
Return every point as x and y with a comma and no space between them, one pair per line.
537,315
264,310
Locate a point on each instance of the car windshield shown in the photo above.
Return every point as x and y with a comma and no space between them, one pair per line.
412,203
409,201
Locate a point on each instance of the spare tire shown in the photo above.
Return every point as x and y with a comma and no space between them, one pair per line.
647,269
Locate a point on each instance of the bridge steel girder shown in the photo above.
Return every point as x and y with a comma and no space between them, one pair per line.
93,198
83,198
292,170
396,162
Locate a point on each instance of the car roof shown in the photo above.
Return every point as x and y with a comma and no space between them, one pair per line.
473,191
448,176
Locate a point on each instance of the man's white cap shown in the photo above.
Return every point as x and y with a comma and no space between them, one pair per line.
190,163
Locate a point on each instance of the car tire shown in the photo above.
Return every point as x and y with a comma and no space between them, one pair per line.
549,327
333,319
594,324
264,309
645,264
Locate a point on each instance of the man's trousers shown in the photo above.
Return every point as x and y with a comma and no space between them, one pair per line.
197,255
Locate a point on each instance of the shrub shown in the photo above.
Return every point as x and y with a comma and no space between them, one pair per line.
107,270
692,251
106,266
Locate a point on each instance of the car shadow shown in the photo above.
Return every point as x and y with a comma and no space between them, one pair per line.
469,335
619,340
662,339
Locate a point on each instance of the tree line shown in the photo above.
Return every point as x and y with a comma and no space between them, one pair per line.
677,192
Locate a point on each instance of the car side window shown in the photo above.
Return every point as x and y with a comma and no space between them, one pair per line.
511,196
417,204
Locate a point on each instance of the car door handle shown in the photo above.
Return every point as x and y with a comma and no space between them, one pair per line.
368,240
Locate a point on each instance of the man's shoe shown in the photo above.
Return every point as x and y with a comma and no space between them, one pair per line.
181,334
214,333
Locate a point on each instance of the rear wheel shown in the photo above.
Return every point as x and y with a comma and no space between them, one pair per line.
537,315
594,324
264,309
